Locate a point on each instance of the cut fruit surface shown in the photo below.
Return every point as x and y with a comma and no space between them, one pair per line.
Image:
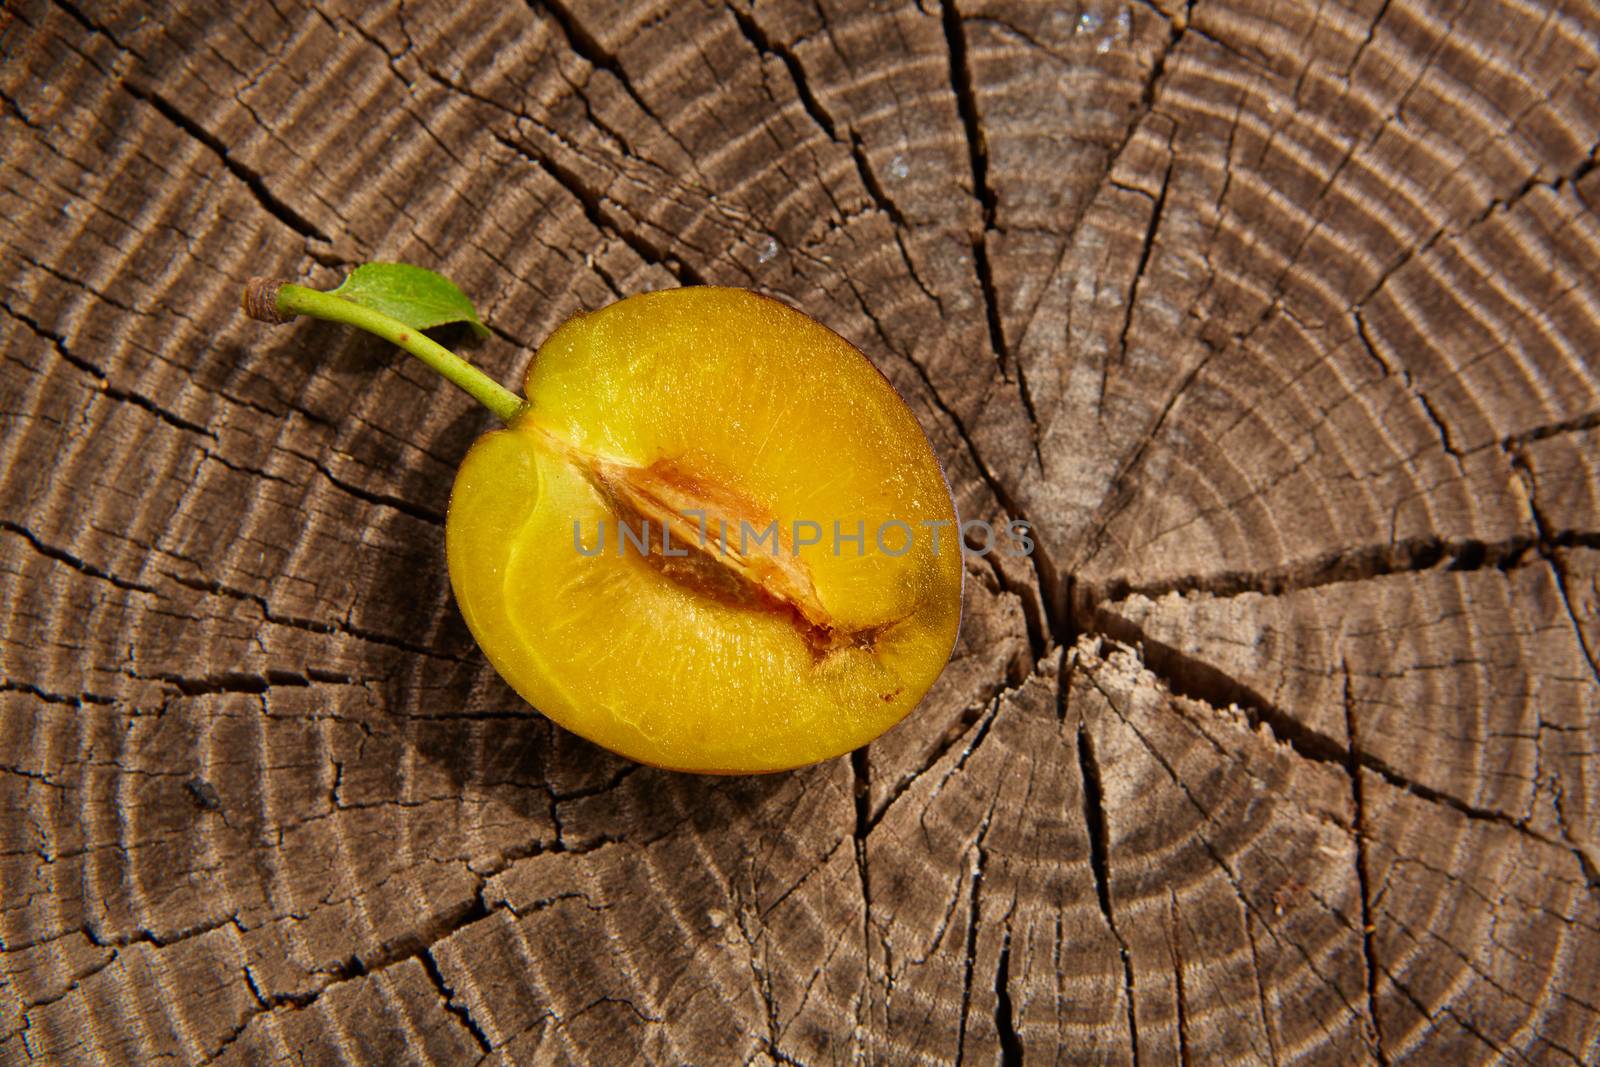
717,540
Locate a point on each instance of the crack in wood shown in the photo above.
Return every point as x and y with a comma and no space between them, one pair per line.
584,44
1177,26
1117,496
592,204
384,499
253,180
1005,1023
315,626
1188,677
1548,545
1418,251
1267,1026
963,88
974,740
354,968
62,556
1146,245
455,1007
1094,823
765,45
1576,424
103,383
1363,871
1180,1000
370,496
980,858
75,700
1217,858
1446,441
1356,564
1549,541
1040,559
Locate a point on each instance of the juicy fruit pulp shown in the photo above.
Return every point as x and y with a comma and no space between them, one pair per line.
717,412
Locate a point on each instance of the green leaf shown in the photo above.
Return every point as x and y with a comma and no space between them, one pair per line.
419,298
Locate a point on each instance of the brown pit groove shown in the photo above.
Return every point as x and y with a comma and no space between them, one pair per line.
661,502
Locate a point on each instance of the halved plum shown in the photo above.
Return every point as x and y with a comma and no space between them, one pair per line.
717,540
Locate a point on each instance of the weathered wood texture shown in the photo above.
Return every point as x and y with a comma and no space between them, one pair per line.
1279,320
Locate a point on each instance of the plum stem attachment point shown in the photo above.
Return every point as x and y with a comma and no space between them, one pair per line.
272,301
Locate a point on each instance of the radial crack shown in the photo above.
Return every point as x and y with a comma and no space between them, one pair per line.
454,1007
593,207
1418,251
1005,1023
584,44
1145,247
1549,541
1222,865
1094,821
105,385
75,700
1363,872
1043,569
400,504
252,180
1361,563
1178,25
1115,499
1180,1000
765,45
1188,677
62,556
961,84
342,626
1576,424
1441,429
980,858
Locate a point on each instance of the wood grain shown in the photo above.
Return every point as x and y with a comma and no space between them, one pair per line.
1278,321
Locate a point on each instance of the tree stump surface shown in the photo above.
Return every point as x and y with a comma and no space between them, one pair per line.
1279,321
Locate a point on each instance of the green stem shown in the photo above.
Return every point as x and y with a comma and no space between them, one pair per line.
299,300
